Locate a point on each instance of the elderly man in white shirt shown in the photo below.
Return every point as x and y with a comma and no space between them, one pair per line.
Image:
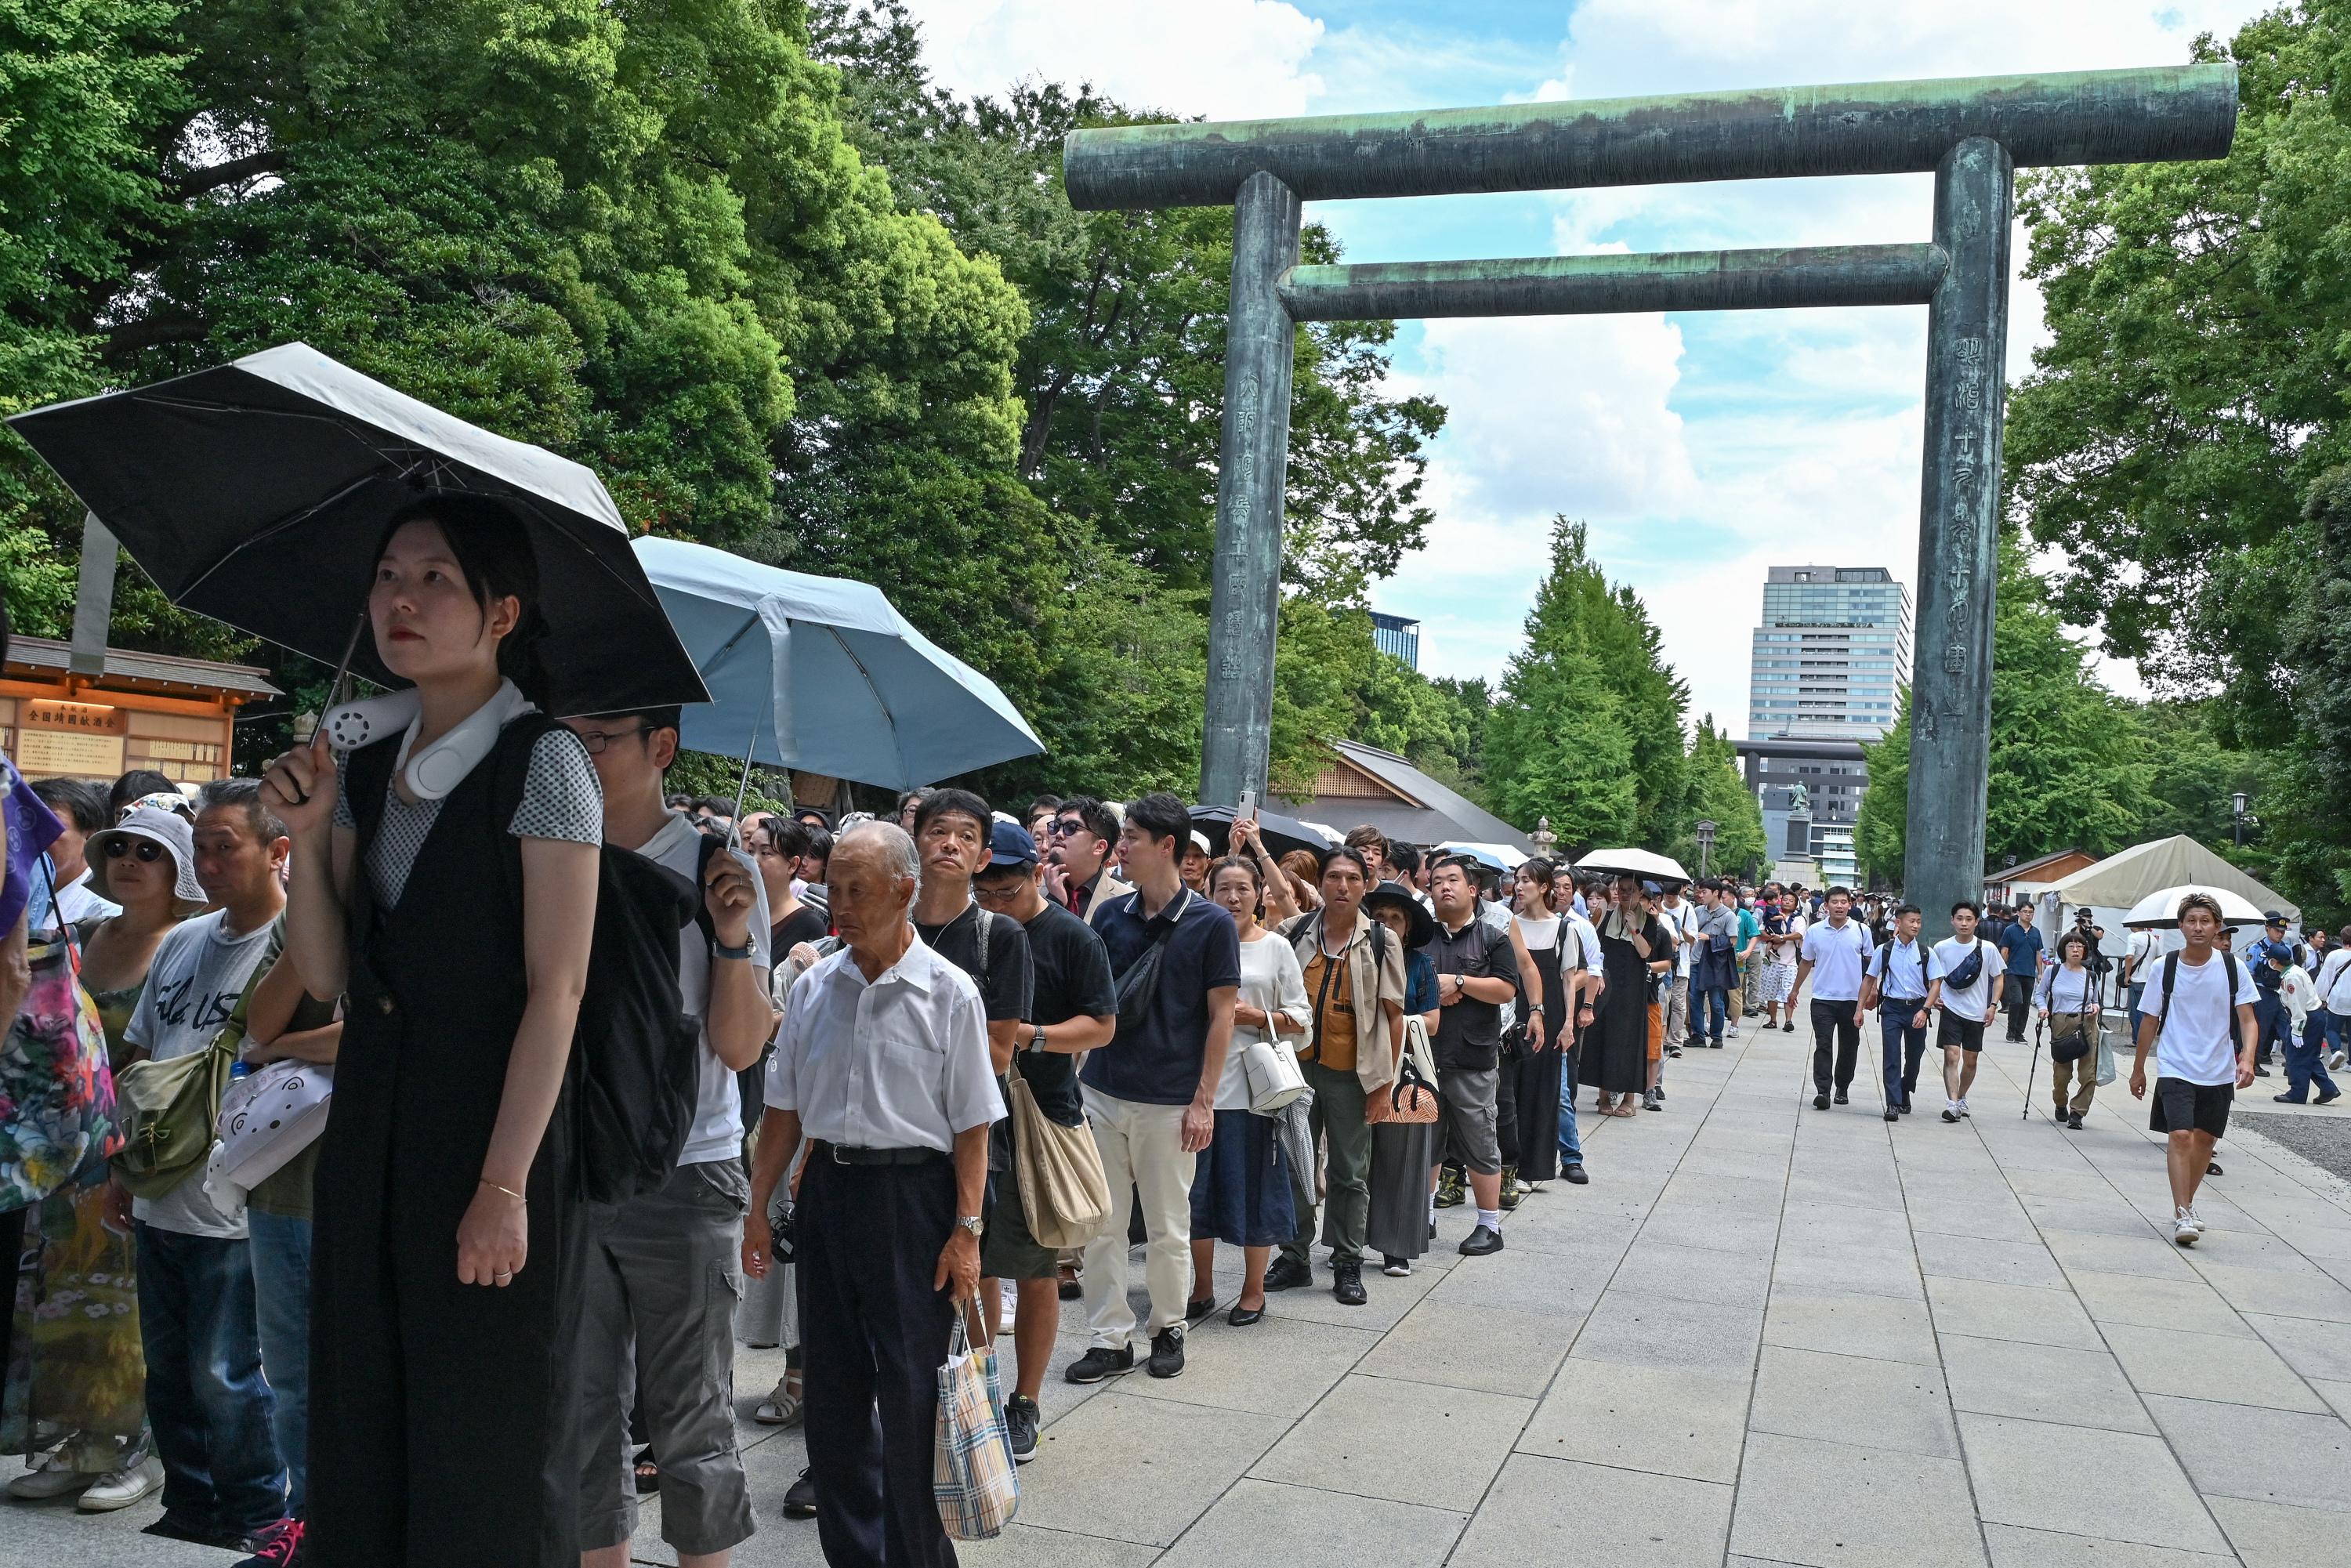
883,1063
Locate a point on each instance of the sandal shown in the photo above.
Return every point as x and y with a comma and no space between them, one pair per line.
648,1471
783,1407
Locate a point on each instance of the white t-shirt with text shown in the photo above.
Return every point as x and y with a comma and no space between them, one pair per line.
2198,1041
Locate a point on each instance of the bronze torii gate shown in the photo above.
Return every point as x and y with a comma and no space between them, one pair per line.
1972,134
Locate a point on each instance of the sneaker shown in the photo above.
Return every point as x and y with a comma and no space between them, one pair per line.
1575,1174
1820,1102
1840,1097
1536,1186
1010,1294
121,1488
1287,1274
1166,1354
56,1479
1963,1107
1481,1241
1673,1051
1020,1427
1653,1100
1950,1112
1510,1194
1449,1193
1347,1284
1101,1363
2185,1229
799,1497
1396,1267
1788,1028
1892,1115
1730,1033
2074,1120
2335,1063
277,1545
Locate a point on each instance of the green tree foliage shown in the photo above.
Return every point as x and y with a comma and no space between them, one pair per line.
1581,629
1719,794
2304,847
2069,759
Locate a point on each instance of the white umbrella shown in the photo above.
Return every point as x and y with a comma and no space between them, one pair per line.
2160,911
1502,857
1646,864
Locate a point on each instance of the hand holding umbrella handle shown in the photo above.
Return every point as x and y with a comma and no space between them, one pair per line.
301,787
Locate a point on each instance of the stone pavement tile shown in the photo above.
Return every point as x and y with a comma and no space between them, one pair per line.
1995,1219
1276,1367
2269,1536
2037,1473
2224,1367
1552,1510
1861,1270
1694,1224
1694,1274
1408,1442
1655,1331
1984,1310
1849,1324
1490,1348
1641,1418
1743,1193
1301,1526
52,1536
1561,1284
2191,1305
2106,1216
1389,1300
1837,1506
1883,1192
2147,1254
2269,1455
2285,1295
1889,1404
2002,1263
1164,1463
2015,1548
2041,1383
1805,1223
2253,1249
1023,1545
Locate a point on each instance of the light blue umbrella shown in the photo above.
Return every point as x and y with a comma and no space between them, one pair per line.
821,673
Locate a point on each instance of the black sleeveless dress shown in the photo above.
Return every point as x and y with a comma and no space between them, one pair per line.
443,1415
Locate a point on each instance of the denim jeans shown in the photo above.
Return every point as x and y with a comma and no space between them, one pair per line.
281,1288
1709,1013
207,1402
1904,1048
1570,1142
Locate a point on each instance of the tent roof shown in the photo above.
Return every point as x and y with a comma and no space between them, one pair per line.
2122,879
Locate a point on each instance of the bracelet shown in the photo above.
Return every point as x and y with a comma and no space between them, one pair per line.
507,1190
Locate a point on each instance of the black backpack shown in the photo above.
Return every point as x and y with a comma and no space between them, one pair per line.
634,1050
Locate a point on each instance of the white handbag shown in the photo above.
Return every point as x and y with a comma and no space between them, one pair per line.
1274,1079
269,1116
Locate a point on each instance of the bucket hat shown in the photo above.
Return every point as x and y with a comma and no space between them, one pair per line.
150,824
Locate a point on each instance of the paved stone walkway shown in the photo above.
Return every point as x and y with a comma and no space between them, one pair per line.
1763,1334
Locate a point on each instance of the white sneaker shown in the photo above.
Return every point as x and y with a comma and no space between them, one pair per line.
56,1479
120,1488
2335,1063
2186,1229
1010,1293
1731,1032
1963,1107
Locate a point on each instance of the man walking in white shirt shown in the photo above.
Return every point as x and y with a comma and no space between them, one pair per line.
2199,1024
1836,953
1962,989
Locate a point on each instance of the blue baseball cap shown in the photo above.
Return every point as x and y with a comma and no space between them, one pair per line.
1009,844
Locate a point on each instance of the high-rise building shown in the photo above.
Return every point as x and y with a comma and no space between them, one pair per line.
1395,634
1830,657
1832,650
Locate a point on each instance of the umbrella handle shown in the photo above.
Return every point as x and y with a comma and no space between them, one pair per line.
337,692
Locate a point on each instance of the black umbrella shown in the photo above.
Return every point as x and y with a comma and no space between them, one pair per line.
256,493
1282,834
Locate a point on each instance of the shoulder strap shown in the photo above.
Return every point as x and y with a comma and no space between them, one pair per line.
979,934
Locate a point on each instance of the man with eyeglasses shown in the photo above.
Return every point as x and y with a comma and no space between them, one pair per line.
1077,872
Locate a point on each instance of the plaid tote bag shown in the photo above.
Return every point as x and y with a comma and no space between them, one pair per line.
972,1472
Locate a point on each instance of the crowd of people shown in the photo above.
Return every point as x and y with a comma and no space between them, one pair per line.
608,1067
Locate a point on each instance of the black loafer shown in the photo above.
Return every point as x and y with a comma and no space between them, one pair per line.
1481,1241
1573,1173
1195,1311
1241,1317
799,1497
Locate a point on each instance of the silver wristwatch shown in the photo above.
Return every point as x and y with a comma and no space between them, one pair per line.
970,1222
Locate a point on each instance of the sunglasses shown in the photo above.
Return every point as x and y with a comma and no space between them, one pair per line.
147,850
1064,828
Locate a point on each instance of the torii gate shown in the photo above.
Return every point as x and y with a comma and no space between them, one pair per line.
1972,134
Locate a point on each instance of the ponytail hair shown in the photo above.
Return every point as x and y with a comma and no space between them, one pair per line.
492,547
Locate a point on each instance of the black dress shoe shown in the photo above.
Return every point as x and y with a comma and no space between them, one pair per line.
1892,1115
799,1497
1820,1102
1481,1241
1288,1274
1195,1311
1573,1173
1240,1317
1347,1284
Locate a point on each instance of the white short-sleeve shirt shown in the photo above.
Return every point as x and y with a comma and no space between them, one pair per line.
1838,955
2198,1041
899,1063
1972,1003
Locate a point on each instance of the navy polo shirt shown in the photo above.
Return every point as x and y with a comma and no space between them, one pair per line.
1159,1063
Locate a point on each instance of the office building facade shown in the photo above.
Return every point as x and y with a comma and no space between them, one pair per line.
1395,634
1831,653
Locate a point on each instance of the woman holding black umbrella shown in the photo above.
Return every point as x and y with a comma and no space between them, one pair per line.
457,919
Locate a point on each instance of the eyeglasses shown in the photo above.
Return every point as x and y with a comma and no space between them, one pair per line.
1062,827
147,850
595,740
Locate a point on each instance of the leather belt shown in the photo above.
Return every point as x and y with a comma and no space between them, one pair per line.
844,1156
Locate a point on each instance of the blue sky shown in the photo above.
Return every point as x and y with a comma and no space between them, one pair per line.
1701,447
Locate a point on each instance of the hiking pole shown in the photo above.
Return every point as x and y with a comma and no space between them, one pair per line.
2030,1072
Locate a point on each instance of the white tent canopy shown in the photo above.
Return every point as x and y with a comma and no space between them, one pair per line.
2122,879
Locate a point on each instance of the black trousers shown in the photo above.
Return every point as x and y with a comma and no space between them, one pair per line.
875,1334
1526,1120
2020,1003
1835,1018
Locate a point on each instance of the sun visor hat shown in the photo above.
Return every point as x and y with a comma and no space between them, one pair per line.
150,825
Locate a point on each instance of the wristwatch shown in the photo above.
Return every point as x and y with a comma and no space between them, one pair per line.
723,951
1036,1040
970,1222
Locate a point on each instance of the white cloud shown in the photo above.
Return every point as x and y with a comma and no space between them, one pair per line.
1223,58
